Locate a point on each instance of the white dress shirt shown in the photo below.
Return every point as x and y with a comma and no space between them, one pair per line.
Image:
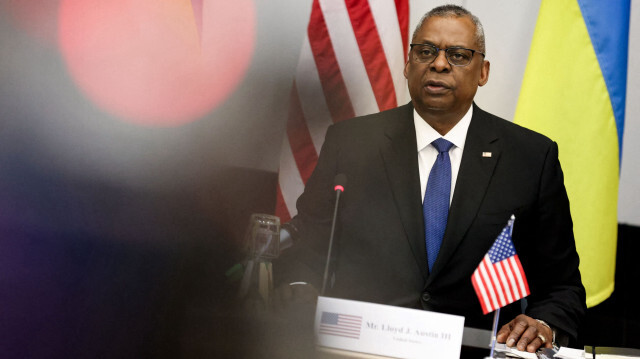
425,134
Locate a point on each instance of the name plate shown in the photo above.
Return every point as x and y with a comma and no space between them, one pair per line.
386,330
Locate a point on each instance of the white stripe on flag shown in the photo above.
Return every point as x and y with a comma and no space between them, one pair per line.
512,281
315,109
481,287
497,285
503,279
392,41
349,90
291,184
490,288
348,56
516,271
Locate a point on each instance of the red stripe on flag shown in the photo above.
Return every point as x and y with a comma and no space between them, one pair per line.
516,282
513,279
335,91
402,10
281,207
492,304
497,284
372,52
502,269
335,95
495,287
299,137
521,270
496,271
476,285
502,295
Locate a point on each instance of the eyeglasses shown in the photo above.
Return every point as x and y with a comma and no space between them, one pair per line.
456,56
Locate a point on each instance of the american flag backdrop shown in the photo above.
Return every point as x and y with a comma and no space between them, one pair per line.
341,325
499,279
351,64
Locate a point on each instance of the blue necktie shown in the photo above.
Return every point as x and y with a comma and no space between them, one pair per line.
435,207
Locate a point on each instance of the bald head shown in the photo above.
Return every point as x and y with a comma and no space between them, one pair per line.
454,11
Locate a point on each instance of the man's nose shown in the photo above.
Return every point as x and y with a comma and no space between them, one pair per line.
440,63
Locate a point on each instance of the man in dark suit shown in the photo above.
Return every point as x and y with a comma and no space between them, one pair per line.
496,169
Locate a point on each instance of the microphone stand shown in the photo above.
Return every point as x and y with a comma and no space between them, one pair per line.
339,188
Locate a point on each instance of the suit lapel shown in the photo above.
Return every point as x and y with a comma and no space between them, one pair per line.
400,156
476,169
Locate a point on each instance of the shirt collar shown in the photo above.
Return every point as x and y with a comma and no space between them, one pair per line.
425,134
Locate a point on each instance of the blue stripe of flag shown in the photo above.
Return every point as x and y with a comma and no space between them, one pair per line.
608,26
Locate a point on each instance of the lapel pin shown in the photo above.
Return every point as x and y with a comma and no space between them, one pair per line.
486,154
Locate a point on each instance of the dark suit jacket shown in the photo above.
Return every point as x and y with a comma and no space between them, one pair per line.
380,253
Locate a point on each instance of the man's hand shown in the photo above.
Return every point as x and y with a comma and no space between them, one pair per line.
295,296
524,332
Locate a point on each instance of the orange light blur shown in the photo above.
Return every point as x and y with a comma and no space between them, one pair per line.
149,62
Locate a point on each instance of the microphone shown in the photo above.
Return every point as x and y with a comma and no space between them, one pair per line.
339,182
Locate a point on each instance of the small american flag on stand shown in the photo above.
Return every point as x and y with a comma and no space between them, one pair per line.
499,279
341,325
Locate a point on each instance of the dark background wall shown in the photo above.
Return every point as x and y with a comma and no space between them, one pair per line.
616,321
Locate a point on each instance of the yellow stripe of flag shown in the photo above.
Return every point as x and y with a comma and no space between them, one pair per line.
564,96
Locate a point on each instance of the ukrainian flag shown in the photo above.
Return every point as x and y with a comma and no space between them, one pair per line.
574,91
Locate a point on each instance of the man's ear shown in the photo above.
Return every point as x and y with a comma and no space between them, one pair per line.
406,69
484,73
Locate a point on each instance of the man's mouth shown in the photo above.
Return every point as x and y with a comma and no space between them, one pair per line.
436,87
